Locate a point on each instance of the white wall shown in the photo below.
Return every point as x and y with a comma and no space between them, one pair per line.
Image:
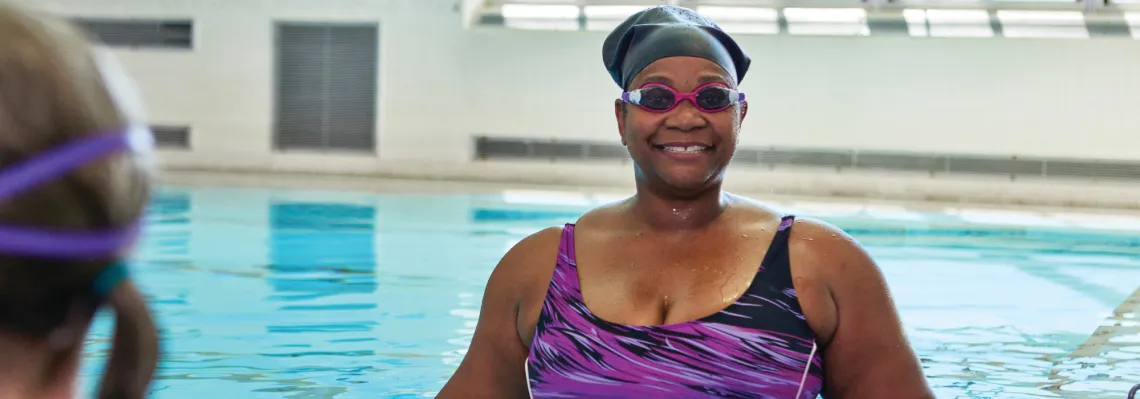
984,96
440,84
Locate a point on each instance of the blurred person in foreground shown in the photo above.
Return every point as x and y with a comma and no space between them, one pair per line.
684,290
74,182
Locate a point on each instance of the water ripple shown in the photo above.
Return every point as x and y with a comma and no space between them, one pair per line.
272,294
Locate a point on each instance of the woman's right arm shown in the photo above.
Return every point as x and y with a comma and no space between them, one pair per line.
494,366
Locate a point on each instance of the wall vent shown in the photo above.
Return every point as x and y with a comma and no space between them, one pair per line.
506,148
141,33
492,148
326,86
878,21
171,136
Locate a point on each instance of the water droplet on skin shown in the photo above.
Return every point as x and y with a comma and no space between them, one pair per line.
744,235
808,238
835,235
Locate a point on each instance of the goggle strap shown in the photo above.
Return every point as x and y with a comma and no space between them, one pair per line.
37,170
50,243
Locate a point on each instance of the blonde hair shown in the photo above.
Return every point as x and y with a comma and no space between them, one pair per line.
53,91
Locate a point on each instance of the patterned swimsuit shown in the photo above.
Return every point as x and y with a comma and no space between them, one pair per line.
758,347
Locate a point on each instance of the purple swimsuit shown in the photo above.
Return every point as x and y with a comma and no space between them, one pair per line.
758,347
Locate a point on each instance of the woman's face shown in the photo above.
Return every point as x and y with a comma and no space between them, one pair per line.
687,148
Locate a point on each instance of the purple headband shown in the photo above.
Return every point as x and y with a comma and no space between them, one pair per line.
59,243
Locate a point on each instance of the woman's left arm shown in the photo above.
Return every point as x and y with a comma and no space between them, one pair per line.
865,351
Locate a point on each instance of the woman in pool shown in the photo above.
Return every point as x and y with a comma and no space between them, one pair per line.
71,197
683,290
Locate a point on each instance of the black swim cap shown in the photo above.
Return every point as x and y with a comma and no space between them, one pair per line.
669,31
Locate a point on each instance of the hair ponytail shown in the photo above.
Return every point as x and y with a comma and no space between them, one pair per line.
134,348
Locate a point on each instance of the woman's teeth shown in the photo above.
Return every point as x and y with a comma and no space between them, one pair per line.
692,149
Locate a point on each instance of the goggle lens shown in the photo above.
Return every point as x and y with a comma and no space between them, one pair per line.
660,98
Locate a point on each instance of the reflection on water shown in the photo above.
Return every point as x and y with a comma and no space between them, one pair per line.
320,250
289,294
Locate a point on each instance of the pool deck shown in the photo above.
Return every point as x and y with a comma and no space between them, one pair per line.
367,173
985,193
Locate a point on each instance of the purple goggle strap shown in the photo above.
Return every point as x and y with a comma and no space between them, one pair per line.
59,243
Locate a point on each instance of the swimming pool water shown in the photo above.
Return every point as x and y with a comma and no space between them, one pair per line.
297,294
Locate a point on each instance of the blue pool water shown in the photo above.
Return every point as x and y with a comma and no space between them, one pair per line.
298,294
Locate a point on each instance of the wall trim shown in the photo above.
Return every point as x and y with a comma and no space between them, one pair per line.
316,169
840,161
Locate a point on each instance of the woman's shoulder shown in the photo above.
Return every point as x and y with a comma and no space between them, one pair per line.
850,309
527,261
752,210
603,214
807,234
818,240
542,243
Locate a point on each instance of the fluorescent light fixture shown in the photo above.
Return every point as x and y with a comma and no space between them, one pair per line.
827,21
1132,17
1133,20
542,24
959,23
913,16
1042,24
1062,18
916,22
826,15
1035,1
958,17
540,17
606,18
611,12
744,20
536,11
739,14
750,28
921,3
826,29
